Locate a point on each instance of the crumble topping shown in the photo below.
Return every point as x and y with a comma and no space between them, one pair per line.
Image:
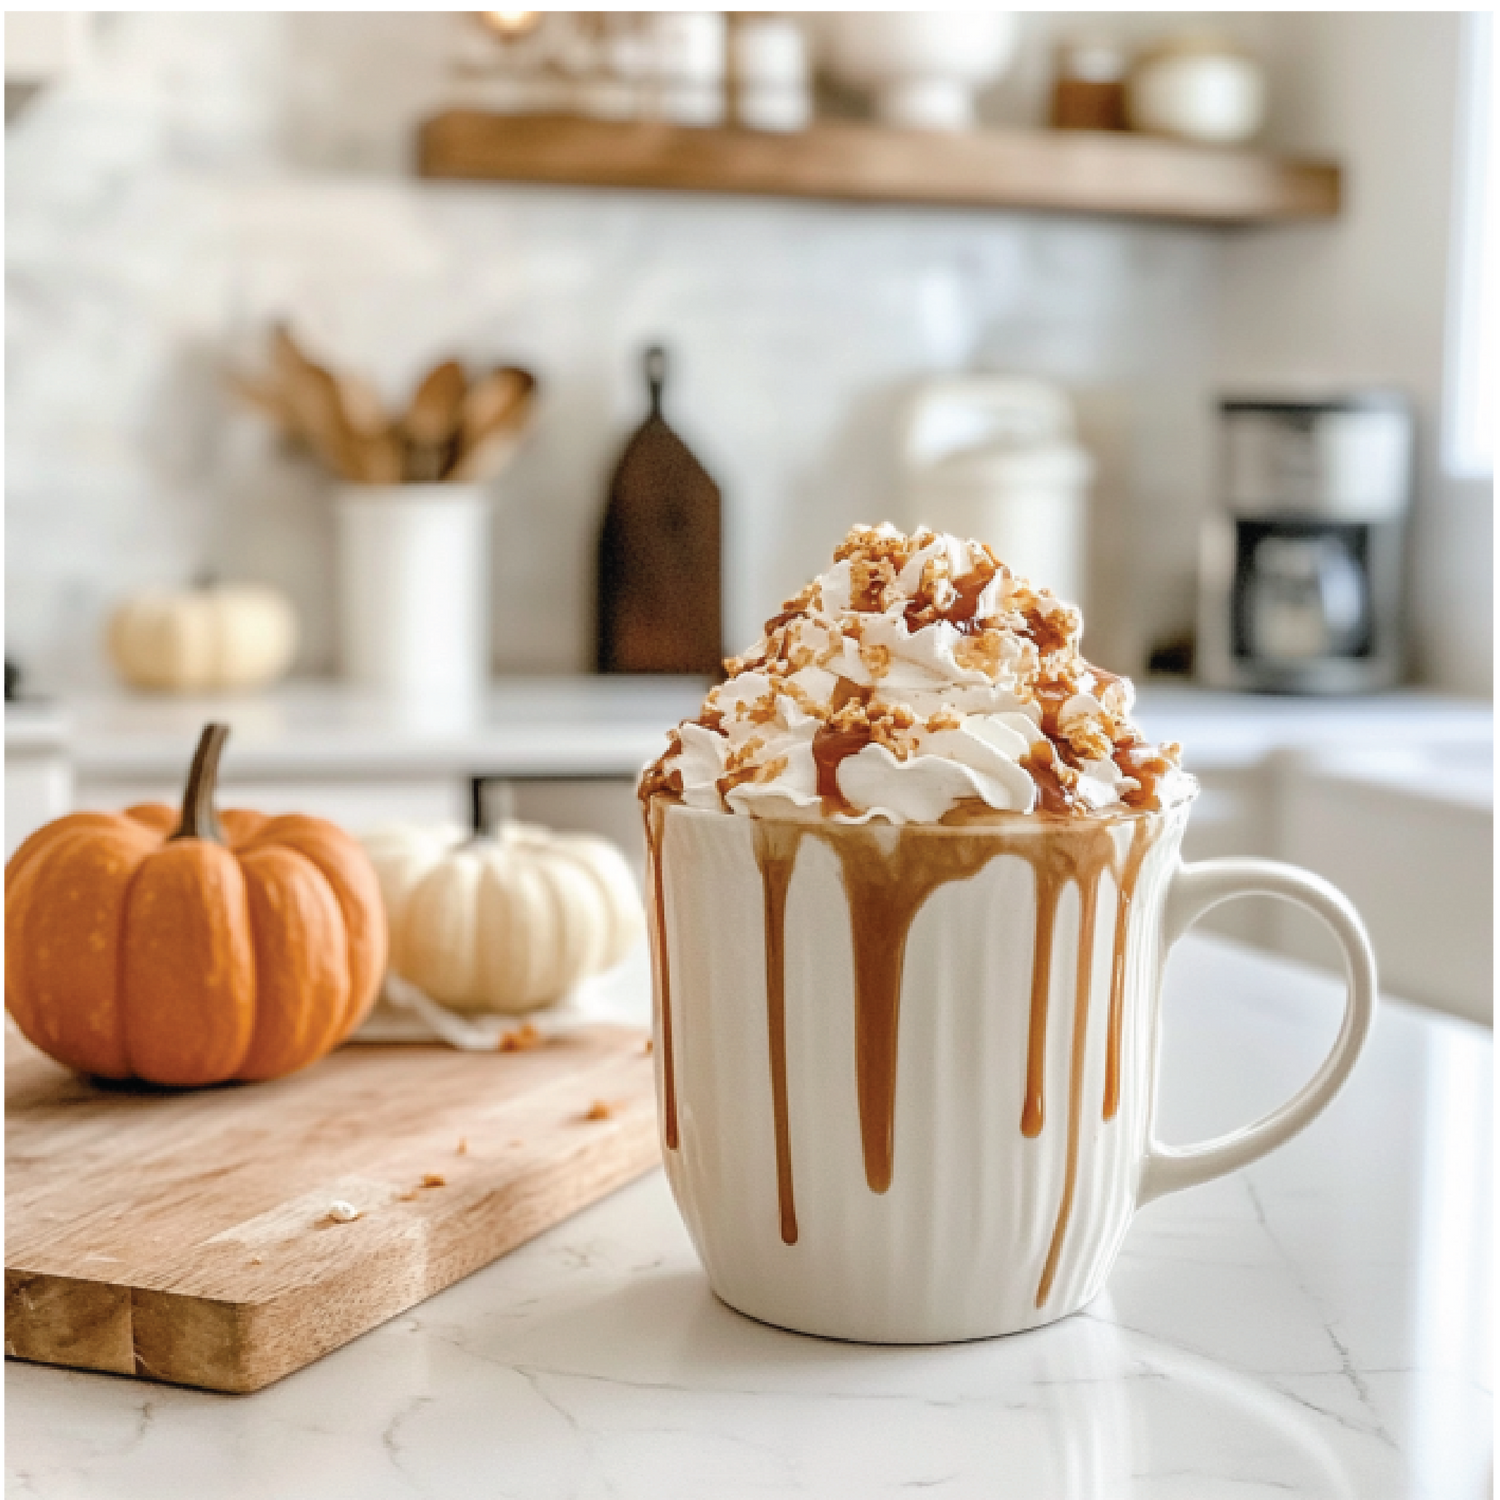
917,675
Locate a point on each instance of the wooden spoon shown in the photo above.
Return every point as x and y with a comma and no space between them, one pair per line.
312,397
373,435
363,409
488,457
266,397
432,421
490,398
491,448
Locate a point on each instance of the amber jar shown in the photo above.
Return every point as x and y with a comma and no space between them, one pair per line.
1088,92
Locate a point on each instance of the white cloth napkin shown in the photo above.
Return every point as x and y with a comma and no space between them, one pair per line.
403,1013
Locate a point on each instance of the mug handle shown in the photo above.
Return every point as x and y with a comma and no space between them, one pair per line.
1194,889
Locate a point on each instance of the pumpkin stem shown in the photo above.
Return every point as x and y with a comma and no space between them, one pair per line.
199,820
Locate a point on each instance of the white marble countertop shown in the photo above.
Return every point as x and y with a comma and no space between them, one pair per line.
524,726
1315,1326
611,726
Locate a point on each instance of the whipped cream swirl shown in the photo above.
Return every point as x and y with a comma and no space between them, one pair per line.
917,681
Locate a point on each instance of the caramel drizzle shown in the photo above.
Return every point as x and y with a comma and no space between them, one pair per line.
885,890
656,812
1033,1110
888,876
1081,856
776,854
1140,844
1088,896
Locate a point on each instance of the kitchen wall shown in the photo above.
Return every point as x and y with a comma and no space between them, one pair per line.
209,172
206,173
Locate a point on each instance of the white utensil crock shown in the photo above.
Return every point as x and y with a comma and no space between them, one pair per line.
414,608
990,1191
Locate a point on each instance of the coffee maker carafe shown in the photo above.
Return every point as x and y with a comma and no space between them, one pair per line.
1302,560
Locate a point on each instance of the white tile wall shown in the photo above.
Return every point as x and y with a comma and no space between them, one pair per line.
208,172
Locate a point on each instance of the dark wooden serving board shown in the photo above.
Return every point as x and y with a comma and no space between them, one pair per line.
186,1236
659,597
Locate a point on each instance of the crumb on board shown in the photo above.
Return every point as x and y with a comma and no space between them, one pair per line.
522,1039
515,1143
255,1260
650,1044
434,1179
341,1212
463,1146
600,1110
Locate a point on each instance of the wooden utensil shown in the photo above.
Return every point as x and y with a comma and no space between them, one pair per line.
494,421
267,397
197,1237
432,422
450,431
377,448
312,397
488,458
658,583
363,409
492,398
371,450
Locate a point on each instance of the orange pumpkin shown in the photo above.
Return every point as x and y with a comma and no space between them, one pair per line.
185,950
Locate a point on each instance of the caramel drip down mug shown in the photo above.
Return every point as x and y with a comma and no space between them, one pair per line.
906,1075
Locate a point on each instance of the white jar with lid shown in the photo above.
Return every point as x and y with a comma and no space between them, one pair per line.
923,68
772,87
1197,88
995,457
690,63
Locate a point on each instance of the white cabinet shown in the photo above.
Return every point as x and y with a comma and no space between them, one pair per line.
1230,819
38,776
1408,835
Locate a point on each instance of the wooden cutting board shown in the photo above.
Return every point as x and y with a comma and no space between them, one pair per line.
186,1236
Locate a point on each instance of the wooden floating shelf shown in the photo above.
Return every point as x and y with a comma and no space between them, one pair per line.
1129,176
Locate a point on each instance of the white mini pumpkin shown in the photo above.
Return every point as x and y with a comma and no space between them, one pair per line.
504,923
207,639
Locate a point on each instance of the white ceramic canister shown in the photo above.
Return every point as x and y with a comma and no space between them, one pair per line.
1197,89
772,82
690,61
414,604
995,457
897,1107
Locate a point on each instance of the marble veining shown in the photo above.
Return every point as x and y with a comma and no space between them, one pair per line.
1315,1326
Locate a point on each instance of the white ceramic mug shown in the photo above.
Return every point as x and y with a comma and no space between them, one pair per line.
895,1106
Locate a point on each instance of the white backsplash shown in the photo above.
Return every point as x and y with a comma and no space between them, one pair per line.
208,173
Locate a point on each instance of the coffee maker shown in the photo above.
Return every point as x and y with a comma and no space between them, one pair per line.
1302,560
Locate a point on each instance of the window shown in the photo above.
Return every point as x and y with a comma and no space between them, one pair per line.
1469,449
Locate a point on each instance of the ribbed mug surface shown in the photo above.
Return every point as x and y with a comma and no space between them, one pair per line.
972,1169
